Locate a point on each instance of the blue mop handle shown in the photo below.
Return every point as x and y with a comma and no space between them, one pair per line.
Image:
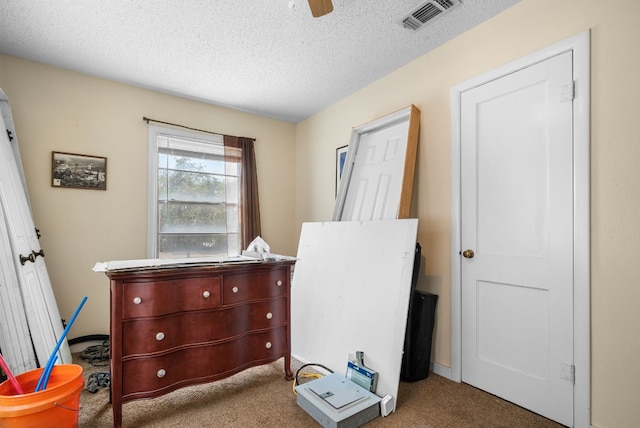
47,370
47,375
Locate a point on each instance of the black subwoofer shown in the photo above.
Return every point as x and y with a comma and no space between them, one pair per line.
416,358
417,353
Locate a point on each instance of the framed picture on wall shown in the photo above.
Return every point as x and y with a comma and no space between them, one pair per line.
341,156
78,171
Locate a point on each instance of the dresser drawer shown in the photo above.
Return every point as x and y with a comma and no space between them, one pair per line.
148,335
144,299
255,285
167,372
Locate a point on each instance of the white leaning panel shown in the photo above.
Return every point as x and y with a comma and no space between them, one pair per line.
350,292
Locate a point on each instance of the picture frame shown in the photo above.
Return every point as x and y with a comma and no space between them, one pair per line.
341,157
77,171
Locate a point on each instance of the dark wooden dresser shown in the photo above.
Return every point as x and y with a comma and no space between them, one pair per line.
175,326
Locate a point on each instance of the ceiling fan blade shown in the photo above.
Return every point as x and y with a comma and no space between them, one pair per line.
320,7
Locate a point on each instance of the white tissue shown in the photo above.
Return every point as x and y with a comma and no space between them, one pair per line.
258,245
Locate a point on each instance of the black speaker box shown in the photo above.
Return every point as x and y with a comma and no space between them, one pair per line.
419,332
417,353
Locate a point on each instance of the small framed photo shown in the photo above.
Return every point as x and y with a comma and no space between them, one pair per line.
78,171
341,157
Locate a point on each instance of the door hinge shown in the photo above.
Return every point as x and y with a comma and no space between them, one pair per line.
568,91
569,373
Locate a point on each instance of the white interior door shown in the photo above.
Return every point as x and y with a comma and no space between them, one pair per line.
517,227
15,339
40,307
378,176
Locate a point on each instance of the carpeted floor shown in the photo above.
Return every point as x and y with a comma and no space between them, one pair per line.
261,397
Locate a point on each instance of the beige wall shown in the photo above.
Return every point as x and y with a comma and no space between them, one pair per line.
57,110
615,150
63,111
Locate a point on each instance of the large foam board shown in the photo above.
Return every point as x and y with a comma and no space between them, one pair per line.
350,292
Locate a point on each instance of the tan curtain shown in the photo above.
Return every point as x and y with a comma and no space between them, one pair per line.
249,202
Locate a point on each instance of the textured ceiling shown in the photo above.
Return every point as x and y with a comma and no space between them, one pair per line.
259,56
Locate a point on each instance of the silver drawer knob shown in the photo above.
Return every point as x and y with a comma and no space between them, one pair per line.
234,289
159,335
161,373
268,345
206,294
137,300
279,283
269,315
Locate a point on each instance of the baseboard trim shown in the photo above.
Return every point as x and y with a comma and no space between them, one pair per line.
441,370
436,368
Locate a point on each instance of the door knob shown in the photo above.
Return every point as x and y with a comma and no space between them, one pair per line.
468,254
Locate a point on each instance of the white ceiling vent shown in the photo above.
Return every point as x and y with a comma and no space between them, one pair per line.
427,12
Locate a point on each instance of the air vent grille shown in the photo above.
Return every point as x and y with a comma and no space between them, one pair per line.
427,12
445,4
411,24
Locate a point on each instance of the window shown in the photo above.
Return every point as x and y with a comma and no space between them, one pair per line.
194,195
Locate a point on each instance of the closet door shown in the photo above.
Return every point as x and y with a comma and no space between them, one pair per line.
39,303
15,341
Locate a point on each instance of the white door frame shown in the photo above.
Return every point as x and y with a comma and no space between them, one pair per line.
580,45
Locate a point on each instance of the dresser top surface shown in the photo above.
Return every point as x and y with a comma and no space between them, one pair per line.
209,268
